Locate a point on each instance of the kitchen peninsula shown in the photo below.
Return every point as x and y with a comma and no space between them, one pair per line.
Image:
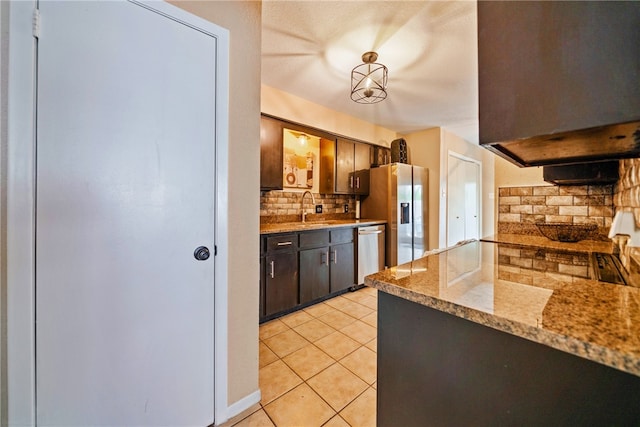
461,344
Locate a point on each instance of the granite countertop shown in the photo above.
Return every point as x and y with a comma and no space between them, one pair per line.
538,294
285,227
541,241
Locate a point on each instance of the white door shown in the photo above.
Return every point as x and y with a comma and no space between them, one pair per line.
463,199
471,200
455,201
125,194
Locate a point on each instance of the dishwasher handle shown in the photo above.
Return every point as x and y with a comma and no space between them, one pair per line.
365,232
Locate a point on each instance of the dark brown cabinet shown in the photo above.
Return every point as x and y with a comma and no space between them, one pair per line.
314,265
330,266
342,267
281,273
298,269
549,69
345,167
271,153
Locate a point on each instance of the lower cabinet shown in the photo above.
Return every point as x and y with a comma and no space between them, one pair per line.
280,274
342,267
299,268
314,274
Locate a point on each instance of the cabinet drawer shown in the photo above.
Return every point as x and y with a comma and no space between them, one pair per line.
281,242
311,239
342,235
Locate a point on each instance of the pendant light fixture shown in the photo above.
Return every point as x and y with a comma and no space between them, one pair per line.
369,80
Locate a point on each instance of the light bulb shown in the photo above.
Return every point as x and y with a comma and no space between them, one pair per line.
368,91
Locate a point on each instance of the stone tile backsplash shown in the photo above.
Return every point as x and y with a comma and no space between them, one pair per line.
627,194
519,208
283,203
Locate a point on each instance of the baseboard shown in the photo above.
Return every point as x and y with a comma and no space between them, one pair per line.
240,406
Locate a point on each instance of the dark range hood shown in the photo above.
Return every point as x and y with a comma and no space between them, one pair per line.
559,81
596,173
612,142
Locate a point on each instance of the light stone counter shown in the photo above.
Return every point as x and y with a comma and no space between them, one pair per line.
286,227
521,291
541,241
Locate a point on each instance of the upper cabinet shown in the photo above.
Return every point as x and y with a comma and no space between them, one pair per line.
344,167
288,154
271,153
559,81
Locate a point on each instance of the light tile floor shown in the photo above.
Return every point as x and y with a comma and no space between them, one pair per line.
318,366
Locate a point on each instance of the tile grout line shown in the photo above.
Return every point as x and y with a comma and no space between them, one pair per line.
313,343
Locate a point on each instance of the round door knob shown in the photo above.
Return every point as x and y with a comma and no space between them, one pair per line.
201,253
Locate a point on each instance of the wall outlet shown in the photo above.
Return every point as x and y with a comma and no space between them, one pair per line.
318,208
346,208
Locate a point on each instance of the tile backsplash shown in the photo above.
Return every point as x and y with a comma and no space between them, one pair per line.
519,208
286,205
627,194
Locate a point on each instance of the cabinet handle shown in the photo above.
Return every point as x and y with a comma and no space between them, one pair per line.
323,260
358,182
272,270
285,243
351,181
335,256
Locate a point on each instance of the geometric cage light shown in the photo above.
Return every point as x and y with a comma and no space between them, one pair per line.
369,80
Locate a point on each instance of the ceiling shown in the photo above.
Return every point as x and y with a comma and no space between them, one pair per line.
430,48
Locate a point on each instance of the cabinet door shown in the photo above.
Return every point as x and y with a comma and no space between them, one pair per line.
362,156
342,266
314,274
362,164
271,152
344,167
281,282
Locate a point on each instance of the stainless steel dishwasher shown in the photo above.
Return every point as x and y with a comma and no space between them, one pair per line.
371,246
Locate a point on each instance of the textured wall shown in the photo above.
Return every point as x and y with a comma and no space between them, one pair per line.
627,192
519,208
288,203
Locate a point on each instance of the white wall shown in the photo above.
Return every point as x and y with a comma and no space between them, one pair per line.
290,107
424,149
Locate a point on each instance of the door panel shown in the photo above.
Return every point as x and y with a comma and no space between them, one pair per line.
472,202
281,283
342,266
314,274
125,193
344,166
420,211
402,175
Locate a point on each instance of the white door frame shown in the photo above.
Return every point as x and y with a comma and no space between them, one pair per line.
21,208
479,195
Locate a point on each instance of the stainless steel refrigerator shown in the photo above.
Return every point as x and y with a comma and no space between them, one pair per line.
398,193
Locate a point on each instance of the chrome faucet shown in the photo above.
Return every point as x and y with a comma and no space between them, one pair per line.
313,200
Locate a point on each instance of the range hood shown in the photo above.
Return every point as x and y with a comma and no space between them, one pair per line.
601,143
596,173
559,81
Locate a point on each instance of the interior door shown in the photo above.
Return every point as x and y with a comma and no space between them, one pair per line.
463,201
455,201
472,200
125,194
